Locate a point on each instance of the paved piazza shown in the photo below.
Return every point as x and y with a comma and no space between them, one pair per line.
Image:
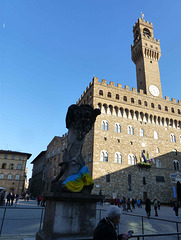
24,223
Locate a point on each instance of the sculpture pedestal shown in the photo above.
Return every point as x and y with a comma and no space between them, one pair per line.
69,215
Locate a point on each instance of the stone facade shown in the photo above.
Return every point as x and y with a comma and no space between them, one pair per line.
131,123
13,170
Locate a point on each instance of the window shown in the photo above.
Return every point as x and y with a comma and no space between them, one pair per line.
179,111
166,108
13,157
20,158
158,163
132,100
5,156
125,98
89,157
172,138
53,152
152,105
101,92
146,32
176,165
19,166
104,125
141,132
131,159
159,107
118,157
9,176
160,179
58,150
157,150
48,155
109,94
172,109
117,127
108,178
145,103
130,130
155,135
144,180
104,156
117,96
1,176
17,177
139,102
11,166
4,166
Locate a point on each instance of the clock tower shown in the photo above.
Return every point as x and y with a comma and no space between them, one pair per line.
146,54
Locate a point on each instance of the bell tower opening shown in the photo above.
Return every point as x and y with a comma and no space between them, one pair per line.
146,54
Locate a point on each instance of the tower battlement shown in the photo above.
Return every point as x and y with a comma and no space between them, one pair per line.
142,21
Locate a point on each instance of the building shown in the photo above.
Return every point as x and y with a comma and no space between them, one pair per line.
134,122
13,170
36,183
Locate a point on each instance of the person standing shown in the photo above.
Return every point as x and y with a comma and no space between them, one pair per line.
17,198
176,207
106,228
8,199
12,198
148,207
129,205
155,207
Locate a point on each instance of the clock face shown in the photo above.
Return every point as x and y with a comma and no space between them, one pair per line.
154,90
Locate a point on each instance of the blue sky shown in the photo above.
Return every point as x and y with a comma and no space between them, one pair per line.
50,50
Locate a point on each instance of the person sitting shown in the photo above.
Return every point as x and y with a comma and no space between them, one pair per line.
106,228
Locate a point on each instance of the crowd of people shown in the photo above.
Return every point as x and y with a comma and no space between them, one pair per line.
127,204
40,201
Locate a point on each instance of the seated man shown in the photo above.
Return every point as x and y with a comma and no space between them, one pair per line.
106,228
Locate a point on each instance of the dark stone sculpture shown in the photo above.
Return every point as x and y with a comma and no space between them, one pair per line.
79,121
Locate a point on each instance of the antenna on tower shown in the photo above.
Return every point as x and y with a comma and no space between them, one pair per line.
142,15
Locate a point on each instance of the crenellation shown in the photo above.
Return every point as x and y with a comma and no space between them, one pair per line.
112,84
119,85
126,87
104,82
134,89
95,79
141,91
167,98
179,102
173,100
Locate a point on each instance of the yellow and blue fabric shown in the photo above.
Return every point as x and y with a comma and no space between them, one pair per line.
76,182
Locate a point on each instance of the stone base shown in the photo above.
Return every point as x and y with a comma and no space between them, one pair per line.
69,215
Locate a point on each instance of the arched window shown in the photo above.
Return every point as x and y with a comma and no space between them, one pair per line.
145,103
118,157
53,152
4,166
152,105
157,150
132,100
11,166
159,107
125,98
139,102
1,176
179,111
130,130
158,163
172,138
176,165
104,156
155,135
146,32
166,108
17,177
141,132
105,125
100,92
172,109
117,127
117,96
19,166
9,176
131,159
58,150
109,94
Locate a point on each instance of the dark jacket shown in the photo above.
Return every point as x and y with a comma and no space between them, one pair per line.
105,230
148,205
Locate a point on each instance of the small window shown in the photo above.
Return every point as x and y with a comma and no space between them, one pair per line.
108,178
176,165
117,127
105,139
118,157
155,135
89,157
109,94
159,107
105,125
141,132
20,158
152,105
139,102
13,157
172,138
4,166
11,166
125,98
17,177
100,92
53,152
172,109
132,100
117,96
166,108
9,176
5,156
130,130
144,180
157,150
1,176
58,150
131,159
104,156
19,166
145,103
